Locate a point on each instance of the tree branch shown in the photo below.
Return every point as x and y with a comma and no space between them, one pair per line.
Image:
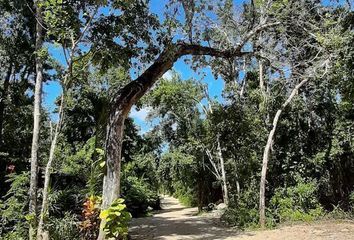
133,91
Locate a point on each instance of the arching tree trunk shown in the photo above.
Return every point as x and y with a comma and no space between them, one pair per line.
124,99
111,181
36,124
119,109
262,217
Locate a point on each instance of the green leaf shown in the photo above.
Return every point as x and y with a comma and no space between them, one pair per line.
104,214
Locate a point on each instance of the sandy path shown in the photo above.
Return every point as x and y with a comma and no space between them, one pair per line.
176,222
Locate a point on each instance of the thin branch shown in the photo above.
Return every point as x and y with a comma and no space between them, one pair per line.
211,160
86,27
35,16
65,55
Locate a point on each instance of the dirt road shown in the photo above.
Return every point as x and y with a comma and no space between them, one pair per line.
176,222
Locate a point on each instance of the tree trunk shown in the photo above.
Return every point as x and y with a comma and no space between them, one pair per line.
111,181
238,188
223,174
41,234
36,124
262,218
243,87
262,20
261,77
3,99
114,148
120,107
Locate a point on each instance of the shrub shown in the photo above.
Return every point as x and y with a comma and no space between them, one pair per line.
13,221
64,228
243,209
296,203
351,200
16,234
90,224
241,217
116,219
187,200
338,213
139,196
185,195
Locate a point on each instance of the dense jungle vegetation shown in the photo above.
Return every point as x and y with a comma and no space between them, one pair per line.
276,145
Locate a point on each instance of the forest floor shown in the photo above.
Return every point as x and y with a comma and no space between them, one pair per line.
176,222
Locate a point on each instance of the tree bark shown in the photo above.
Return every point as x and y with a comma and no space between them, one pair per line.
262,218
223,174
36,123
261,78
3,99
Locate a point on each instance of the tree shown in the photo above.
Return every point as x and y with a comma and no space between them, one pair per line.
36,119
188,130
311,63
66,82
127,96
16,47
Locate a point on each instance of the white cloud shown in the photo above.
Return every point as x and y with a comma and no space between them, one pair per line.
141,114
168,75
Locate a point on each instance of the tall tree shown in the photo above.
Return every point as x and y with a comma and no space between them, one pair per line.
36,119
127,96
313,63
66,83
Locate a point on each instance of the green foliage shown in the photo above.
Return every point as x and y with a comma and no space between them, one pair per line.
116,219
86,163
176,172
144,167
176,166
185,195
351,199
14,207
140,181
65,227
139,196
296,203
16,234
175,96
243,209
313,140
